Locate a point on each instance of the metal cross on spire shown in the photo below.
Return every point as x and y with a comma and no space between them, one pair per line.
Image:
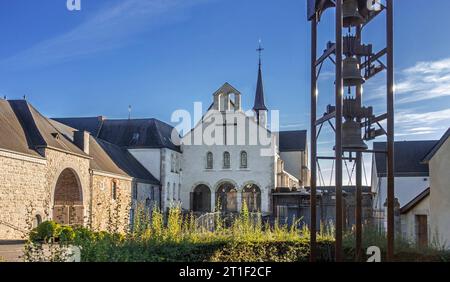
260,49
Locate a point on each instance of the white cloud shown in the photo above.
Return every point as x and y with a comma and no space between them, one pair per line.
108,29
410,123
424,81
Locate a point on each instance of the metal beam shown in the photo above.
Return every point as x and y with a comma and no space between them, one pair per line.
338,137
390,130
358,168
331,50
313,184
325,118
375,57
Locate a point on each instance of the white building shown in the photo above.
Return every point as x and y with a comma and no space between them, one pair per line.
411,175
225,161
414,218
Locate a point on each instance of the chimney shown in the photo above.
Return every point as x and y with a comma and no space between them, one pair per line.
81,139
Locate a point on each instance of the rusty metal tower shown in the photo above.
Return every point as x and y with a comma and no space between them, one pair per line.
360,64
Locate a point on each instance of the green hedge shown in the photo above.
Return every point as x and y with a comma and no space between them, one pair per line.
187,246
129,251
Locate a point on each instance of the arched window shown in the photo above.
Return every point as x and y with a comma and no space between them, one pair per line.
251,195
209,160
148,203
37,221
243,159
179,192
114,190
226,160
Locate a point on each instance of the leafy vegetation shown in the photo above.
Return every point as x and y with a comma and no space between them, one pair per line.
174,237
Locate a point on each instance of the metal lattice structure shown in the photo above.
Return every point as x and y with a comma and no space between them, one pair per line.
360,124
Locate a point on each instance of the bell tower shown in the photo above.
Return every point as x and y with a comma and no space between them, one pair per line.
259,107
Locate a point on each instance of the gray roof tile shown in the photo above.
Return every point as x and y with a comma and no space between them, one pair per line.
408,156
292,140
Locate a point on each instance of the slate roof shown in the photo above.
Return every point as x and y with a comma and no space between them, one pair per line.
110,158
414,202
24,130
118,158
259,95
292,141
89,124
127,133
408,156
436,148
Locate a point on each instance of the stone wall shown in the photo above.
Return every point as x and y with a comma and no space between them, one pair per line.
27,187
110,214
57,162
23,193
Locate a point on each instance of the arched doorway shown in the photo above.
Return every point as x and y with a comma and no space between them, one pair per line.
68,199
226,197
201,199
251,195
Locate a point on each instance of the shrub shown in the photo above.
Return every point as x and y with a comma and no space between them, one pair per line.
46,231
66,235
180,239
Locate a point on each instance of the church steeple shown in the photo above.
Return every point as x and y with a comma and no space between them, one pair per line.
259,106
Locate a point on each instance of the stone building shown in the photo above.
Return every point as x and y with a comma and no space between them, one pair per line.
149,141
51,171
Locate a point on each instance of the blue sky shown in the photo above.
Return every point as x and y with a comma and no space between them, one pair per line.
163,55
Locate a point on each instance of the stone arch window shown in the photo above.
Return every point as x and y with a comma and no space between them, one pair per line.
148,203
114,190
244,160
226,160
68,199
209,160
37,220
251,195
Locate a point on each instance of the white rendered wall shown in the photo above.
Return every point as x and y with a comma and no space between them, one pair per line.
293,163
408,220
440,194
150,159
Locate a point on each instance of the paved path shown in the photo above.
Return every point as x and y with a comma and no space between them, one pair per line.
11,251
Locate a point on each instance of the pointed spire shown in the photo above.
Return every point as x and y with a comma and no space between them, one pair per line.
259,97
